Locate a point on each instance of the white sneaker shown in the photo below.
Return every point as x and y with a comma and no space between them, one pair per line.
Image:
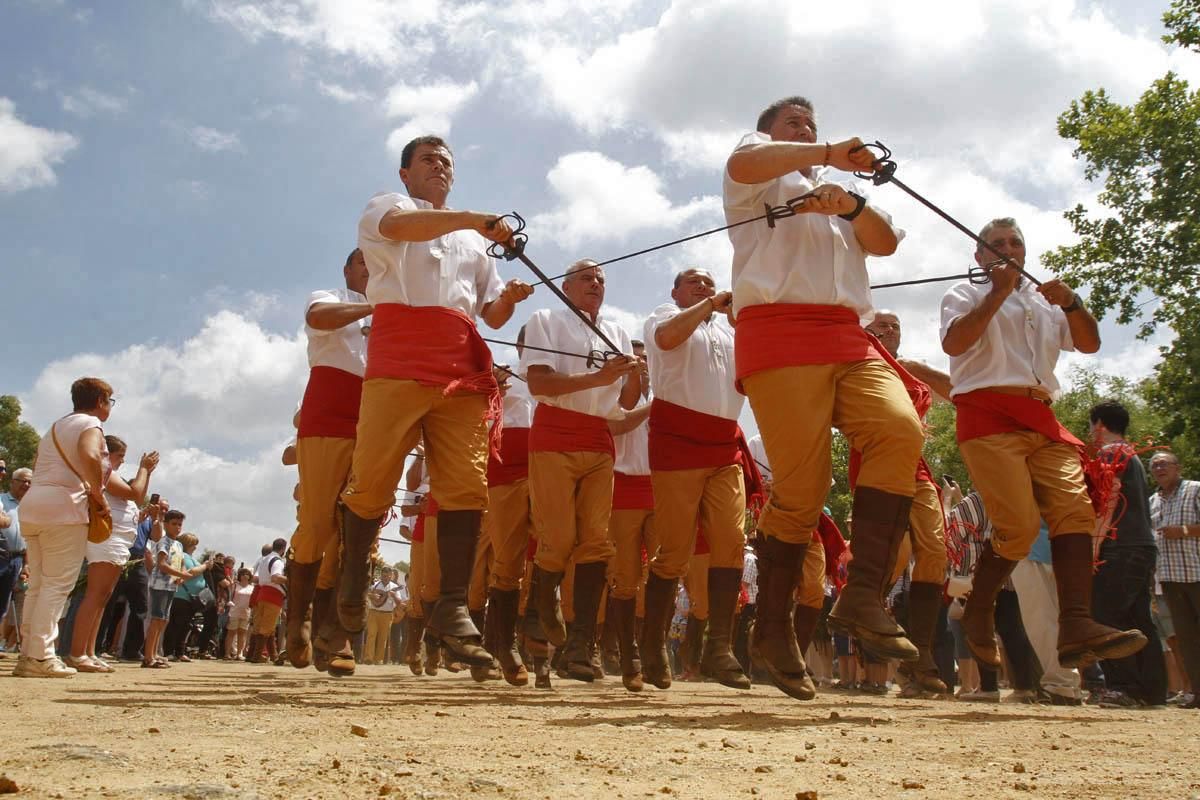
52,667
980,696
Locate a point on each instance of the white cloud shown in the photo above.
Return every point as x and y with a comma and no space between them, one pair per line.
217,406
386,33
601,199
28,153
428,109
211,140
632,322
341,93
88,102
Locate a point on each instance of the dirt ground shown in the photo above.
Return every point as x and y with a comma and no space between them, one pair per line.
215,730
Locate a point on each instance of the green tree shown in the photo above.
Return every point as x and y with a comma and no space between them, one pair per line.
1142,248
18,440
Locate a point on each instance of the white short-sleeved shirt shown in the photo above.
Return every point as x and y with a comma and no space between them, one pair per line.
560,329
453,270
344,348
759,454
389,588
57,496
808,258
518,404
268,566
633,451
124,518
1019,346
699,373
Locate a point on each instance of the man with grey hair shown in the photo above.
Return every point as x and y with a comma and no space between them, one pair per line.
571,455
1004,339
697,468
12,546
1175,515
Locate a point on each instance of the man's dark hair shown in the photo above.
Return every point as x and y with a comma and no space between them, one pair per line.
350,257
266,551
679,276
279,545
1112,415
406,154
767,118
174,514
86,393
636,343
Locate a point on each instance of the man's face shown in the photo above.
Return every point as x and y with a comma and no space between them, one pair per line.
886,328
1007,241
585,288
430,174
356,273
794,124
173,528
20,485
695,286
1165,471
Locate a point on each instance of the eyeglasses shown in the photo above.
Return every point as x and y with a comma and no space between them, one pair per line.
112,401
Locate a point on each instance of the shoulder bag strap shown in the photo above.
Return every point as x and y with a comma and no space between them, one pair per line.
63,456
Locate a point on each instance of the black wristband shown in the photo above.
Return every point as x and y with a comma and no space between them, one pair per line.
860,203
1075,305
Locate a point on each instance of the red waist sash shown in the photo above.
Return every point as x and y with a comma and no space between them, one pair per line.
431,510
834,544
330,405
983,413
271,594
557,430
513,462
632,492
682,438
796,334
434,346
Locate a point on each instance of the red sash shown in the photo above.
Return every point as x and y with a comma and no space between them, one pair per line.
557,430
632,492
983,413
434,346
271,594
796,334
682,438
513,462
834,544
922,399
431,510
330,405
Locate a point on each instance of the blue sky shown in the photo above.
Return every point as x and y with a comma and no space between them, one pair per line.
176,177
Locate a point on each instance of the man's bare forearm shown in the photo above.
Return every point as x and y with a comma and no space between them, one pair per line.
767,161
966,330
423,224
331,316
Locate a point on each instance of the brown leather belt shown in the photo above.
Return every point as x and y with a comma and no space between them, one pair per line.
1021,391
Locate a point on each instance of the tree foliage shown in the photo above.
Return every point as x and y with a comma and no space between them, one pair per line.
1142,247
18,440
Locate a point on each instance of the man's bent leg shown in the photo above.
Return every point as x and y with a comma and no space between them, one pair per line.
873,410
388,428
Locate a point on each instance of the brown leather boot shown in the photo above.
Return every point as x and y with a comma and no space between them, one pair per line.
979,614
458,532
484,622
620,620
302,584
358,536
433,652
660,608
1082,640
924,605
804,621
878,518
332,652
610,648
504,604
543,594
414,628
322,607
717,661
256,649
773,639
577,653
689,649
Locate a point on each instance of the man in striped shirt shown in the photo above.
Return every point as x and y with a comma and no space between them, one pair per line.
1175,515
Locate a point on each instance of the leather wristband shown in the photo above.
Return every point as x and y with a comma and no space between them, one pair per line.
860,203
1076,304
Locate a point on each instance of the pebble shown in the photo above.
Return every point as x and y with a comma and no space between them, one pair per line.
358,730
912,785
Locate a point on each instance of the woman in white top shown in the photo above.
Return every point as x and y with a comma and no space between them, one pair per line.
106,559
239,616
54,521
